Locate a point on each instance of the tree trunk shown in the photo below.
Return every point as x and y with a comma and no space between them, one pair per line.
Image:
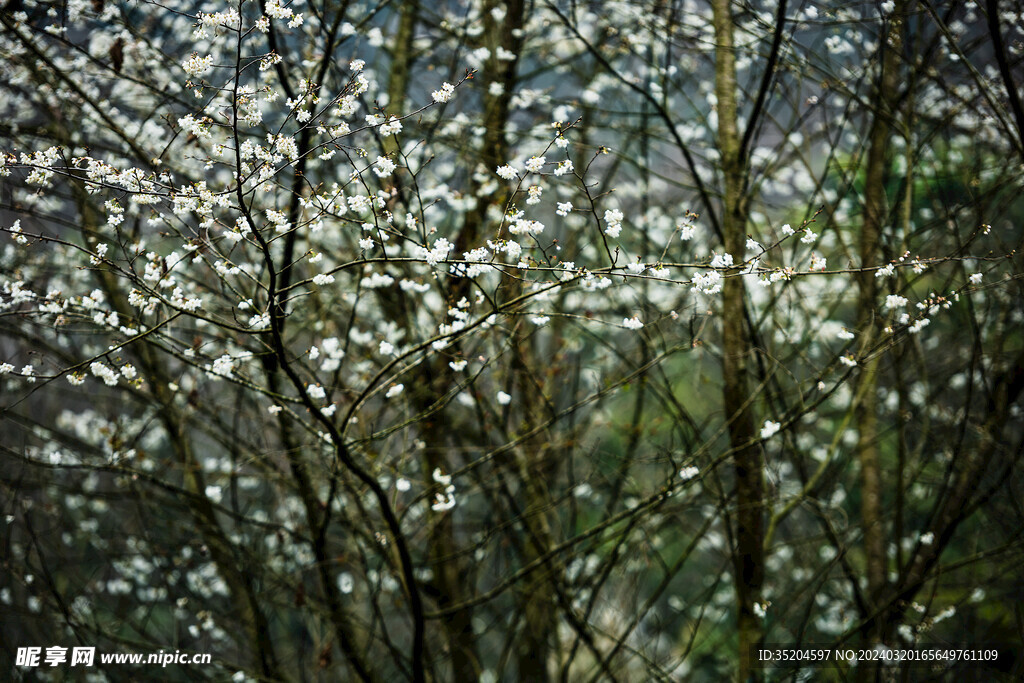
748,555
866,410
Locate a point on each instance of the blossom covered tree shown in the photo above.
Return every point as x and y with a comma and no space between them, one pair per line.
506,341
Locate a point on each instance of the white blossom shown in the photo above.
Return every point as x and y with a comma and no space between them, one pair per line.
196,65
535,164
322,279
384,167
446,92
723,260
895,301
688,473
769,429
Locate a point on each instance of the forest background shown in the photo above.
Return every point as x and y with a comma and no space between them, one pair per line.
503,341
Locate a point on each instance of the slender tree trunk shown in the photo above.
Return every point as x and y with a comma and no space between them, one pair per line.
402,57
450,572
537,466
538,597
748,556
882,130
